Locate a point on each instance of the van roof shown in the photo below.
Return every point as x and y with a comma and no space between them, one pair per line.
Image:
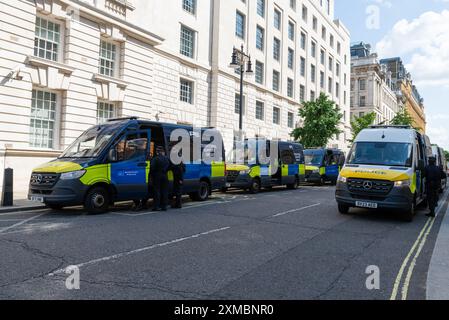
387,134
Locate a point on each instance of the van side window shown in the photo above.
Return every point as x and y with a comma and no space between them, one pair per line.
287,157
132,146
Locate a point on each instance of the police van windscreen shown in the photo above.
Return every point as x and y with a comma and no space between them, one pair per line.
390,154
313,157
91,143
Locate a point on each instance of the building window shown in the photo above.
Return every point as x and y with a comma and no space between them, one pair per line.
315,23
338,47
187,42
276,77
337,69
337,90
108,56
323,33
291,120
105,111
260,110
302,93
43,119
291,58
186,91
277,19
322,57
304,13
291,31
260,38
259,72
240,25
276,115
330,85
237,104
322,80
293,5
312,96
362,101
362,84
313,49
313,73
189,6
331,63
261,8
290,88
331,41
47,39
276,49
303,41
303,67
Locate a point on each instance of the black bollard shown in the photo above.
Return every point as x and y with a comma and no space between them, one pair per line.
7,191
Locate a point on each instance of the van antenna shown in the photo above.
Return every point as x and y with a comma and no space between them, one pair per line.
383,134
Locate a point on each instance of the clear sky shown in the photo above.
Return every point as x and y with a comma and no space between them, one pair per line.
418,32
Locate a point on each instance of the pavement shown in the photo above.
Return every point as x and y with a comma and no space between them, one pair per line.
438,276
22,205
279,244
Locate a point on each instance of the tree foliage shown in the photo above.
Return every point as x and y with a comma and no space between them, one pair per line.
360,123
321,119
403,117
446,154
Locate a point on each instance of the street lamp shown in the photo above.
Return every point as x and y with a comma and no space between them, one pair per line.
241,60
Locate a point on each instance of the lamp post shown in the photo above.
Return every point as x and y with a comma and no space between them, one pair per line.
242,61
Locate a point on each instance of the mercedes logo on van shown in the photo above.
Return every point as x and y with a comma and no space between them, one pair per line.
367,185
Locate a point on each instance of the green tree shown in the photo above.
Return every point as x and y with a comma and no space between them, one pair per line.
403,118
321,119
446,154
360,123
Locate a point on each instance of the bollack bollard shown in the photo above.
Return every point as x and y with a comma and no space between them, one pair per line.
7,191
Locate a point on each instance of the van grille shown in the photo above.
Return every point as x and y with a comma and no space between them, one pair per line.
370,187
44,179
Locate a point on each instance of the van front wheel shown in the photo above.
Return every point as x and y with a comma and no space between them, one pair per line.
410,213
203,192
343,209
97,201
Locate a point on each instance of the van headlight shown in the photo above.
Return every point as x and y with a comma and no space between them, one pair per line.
73,175
402,183
243,172
342,179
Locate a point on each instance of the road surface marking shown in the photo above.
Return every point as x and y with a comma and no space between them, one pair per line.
21,223
422,237
413,263
154,246
295,210
21,212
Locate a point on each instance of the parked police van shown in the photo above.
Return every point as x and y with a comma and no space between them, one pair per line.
438,153
323,165
385,170
252,174
111,162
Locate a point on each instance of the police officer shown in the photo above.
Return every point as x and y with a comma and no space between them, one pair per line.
159,168
433,175
178,183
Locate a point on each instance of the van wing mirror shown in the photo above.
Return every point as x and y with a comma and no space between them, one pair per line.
112,155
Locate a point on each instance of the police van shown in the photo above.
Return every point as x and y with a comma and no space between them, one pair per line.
385,170
110,162
252,173
441,162
323,165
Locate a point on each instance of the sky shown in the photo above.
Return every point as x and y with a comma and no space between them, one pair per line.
418,32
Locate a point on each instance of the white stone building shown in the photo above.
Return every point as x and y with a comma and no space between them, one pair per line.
66,65
371,86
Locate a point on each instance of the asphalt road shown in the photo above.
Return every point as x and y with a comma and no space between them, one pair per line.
279,244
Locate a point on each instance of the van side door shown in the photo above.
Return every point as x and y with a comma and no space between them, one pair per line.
130,168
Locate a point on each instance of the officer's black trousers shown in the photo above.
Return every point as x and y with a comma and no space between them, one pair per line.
177,192
160,192
432,198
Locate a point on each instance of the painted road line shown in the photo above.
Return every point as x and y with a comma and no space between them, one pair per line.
128,253
416,245
20,223
295,210
406,285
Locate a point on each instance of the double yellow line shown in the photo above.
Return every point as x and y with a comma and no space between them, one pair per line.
415,251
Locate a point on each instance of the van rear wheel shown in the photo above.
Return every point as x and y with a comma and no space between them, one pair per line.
293,186
97,201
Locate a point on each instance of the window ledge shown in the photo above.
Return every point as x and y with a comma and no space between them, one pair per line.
105,79
39,62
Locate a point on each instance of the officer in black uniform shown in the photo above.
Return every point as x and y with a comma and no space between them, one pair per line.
433,175
178,183
159,168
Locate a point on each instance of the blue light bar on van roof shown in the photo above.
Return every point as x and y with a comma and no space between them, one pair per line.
122,119
390,126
